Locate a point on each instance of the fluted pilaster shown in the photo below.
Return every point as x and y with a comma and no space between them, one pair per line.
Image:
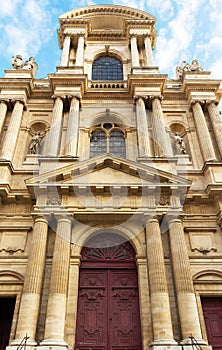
183,280
134,51
160,136
56,310
142,128
12,133
54,136
29,307
65,52
160,307
216,121
149,51
203,133
80,51
73,128
3,111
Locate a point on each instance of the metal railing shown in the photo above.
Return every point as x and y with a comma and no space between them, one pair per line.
22,345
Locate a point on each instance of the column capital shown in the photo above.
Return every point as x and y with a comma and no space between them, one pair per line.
208,102
63,218
40,218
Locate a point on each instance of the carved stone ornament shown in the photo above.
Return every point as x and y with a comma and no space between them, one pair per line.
164,200
53,201
186,67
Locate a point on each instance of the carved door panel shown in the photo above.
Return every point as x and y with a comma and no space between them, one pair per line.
108,310
212,309
92,310
124,311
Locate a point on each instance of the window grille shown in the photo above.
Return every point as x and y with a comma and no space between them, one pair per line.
107,68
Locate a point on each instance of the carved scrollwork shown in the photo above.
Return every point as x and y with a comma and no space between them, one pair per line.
53,201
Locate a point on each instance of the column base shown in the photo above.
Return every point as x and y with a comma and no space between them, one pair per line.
30,344
52,344
163,344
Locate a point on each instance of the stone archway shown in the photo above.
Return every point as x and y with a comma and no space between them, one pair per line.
108,314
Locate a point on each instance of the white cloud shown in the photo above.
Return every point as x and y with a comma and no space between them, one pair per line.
27,28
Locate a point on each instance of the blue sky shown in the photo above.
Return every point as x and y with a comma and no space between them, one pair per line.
186,30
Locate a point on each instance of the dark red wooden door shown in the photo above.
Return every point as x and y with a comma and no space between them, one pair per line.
108,316
108,310
212,310
6,313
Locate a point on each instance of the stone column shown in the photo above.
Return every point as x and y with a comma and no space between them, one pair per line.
56,310
160,136
12,133
203,133
80,51
65,52
149,51
73,128
3,111
216,121
54,136
134,51
142,128
187,306
29,307
160,306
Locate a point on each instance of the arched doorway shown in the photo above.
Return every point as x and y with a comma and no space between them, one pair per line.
108,316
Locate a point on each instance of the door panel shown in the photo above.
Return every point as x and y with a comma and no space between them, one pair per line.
108,310
212,310
92,310
124,310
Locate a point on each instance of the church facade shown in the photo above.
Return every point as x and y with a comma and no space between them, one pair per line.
110,186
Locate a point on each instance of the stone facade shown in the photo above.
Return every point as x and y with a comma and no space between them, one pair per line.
164,195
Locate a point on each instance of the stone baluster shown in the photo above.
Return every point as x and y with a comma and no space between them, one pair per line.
54,136
160,306
216,121
30,301
71,146
3,111
187,305
203,133
142,128
80,51
149,51
56,310
12,133
65,52
160,136
134,51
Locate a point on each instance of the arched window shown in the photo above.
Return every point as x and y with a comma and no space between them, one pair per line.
107,68
107,138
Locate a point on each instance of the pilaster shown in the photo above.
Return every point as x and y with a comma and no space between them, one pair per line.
54,136
187,306
3,111
216,121
142,128
134,51
203,132
160,136
71,145
65,52
56,310
29,307
160,306
80,50
12,133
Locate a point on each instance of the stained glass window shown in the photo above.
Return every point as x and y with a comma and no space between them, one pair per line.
107,68
107,138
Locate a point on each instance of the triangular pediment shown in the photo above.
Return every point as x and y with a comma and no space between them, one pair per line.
109,171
